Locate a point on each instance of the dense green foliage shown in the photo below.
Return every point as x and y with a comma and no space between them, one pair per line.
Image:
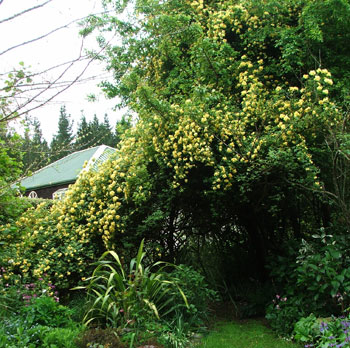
10,170
147,301
312,278
232,146
238,162
95,133
319,333
35,148
233,120
128,306
129,297
31,316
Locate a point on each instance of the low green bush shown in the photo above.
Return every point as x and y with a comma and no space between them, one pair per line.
62,337
31,317
315,278
199,295
283,313
14,293
323,332
24,331
47,312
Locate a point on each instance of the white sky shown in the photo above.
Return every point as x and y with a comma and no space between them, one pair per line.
62,46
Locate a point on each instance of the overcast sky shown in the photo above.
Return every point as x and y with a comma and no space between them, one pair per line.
59,47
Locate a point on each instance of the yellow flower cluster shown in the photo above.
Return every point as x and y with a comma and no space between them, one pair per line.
228,128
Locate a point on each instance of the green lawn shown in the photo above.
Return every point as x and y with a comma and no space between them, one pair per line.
244,334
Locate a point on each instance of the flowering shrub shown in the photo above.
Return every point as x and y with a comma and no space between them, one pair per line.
234,115
15,294
102,206
323,272
316,278
30,315
283,313
42,248
323,333
41,323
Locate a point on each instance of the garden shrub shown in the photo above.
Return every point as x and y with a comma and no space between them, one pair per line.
323,271
31,316
38,246
283,313
13,234
306,329
147,303
61,337
17,333
13,230
42,323
199,295
47,312
63,240
323,332
15,294
315,278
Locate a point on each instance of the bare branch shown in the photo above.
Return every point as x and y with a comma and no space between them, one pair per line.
51,84
37,38
23,12
47,34
57,83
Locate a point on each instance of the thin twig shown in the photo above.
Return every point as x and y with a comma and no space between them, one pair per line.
16,112
23,12
49,33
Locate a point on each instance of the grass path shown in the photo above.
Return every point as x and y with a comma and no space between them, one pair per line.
244,334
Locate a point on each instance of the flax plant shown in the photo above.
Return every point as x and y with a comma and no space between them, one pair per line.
125,297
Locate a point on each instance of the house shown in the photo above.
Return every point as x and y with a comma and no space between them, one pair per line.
53,180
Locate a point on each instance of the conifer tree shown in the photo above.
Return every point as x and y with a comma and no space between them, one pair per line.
94,133
35,148
108,138
83,134
61,144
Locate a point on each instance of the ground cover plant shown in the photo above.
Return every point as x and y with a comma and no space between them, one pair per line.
323,332
32,317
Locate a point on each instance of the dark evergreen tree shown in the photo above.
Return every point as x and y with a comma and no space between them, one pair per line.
108,138
94,133
61,144
35,148
83,137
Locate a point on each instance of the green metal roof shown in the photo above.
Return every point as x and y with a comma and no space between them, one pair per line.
67,169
